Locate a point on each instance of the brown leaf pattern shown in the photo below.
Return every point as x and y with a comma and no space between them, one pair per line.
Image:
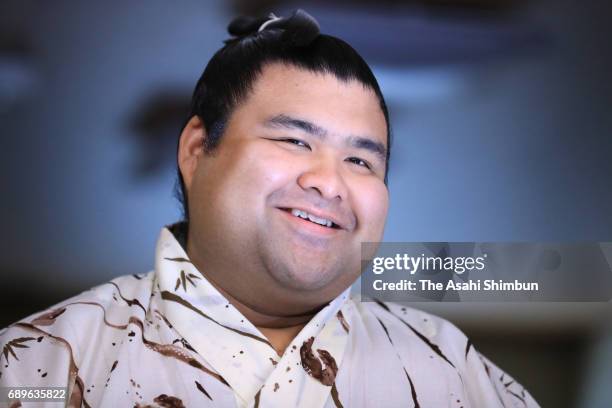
47,319
342,320
9,347
183,279
136,342
315,367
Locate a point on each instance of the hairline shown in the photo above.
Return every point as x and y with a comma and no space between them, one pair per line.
259,71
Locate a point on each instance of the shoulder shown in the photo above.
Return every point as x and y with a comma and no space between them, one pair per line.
415,334
411,328
121,295
46,346
411,320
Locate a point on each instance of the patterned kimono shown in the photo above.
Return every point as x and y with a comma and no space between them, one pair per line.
168,338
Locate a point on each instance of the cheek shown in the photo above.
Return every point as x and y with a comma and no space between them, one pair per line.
274,169
371,203
257,170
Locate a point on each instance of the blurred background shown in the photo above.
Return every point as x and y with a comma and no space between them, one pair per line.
502,123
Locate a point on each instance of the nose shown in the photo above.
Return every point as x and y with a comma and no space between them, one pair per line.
324,177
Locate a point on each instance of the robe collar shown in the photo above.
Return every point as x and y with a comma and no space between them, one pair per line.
303,376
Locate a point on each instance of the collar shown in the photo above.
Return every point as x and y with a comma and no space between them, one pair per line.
236,349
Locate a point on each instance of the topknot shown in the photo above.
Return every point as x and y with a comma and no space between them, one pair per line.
298,30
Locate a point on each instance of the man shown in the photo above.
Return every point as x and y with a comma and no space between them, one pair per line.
283,167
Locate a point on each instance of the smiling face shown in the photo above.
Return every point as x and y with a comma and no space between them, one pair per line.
279,210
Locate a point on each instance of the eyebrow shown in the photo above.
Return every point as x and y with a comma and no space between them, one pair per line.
358,142
289,122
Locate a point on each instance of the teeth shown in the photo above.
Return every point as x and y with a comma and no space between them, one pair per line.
310,217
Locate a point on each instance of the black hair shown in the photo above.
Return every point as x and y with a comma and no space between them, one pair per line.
230,74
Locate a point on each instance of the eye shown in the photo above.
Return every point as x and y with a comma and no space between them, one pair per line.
359,162
296,142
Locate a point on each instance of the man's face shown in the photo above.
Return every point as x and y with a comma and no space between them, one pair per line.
296,184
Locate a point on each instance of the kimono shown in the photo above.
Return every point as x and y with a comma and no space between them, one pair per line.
168,338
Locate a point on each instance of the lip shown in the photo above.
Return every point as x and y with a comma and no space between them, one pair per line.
310,227
339,224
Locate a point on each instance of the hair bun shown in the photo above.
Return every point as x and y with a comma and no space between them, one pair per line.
243,26
300,29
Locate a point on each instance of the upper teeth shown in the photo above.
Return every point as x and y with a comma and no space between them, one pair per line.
306,216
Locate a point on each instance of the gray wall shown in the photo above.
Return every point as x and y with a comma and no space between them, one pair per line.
507,146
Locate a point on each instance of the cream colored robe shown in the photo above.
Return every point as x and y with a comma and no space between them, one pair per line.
168,338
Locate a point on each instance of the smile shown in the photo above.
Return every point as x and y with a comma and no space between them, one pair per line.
312,218
321,225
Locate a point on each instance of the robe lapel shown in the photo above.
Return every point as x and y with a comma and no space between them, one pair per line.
305,375
225,339
237,350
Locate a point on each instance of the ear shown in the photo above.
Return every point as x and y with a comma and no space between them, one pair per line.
190,149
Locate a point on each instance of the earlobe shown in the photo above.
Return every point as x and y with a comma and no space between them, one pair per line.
190,149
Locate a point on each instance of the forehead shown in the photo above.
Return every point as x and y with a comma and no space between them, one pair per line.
341,107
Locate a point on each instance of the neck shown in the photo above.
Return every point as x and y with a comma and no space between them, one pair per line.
280,330
265,319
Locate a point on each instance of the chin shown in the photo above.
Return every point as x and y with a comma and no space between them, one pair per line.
305,278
